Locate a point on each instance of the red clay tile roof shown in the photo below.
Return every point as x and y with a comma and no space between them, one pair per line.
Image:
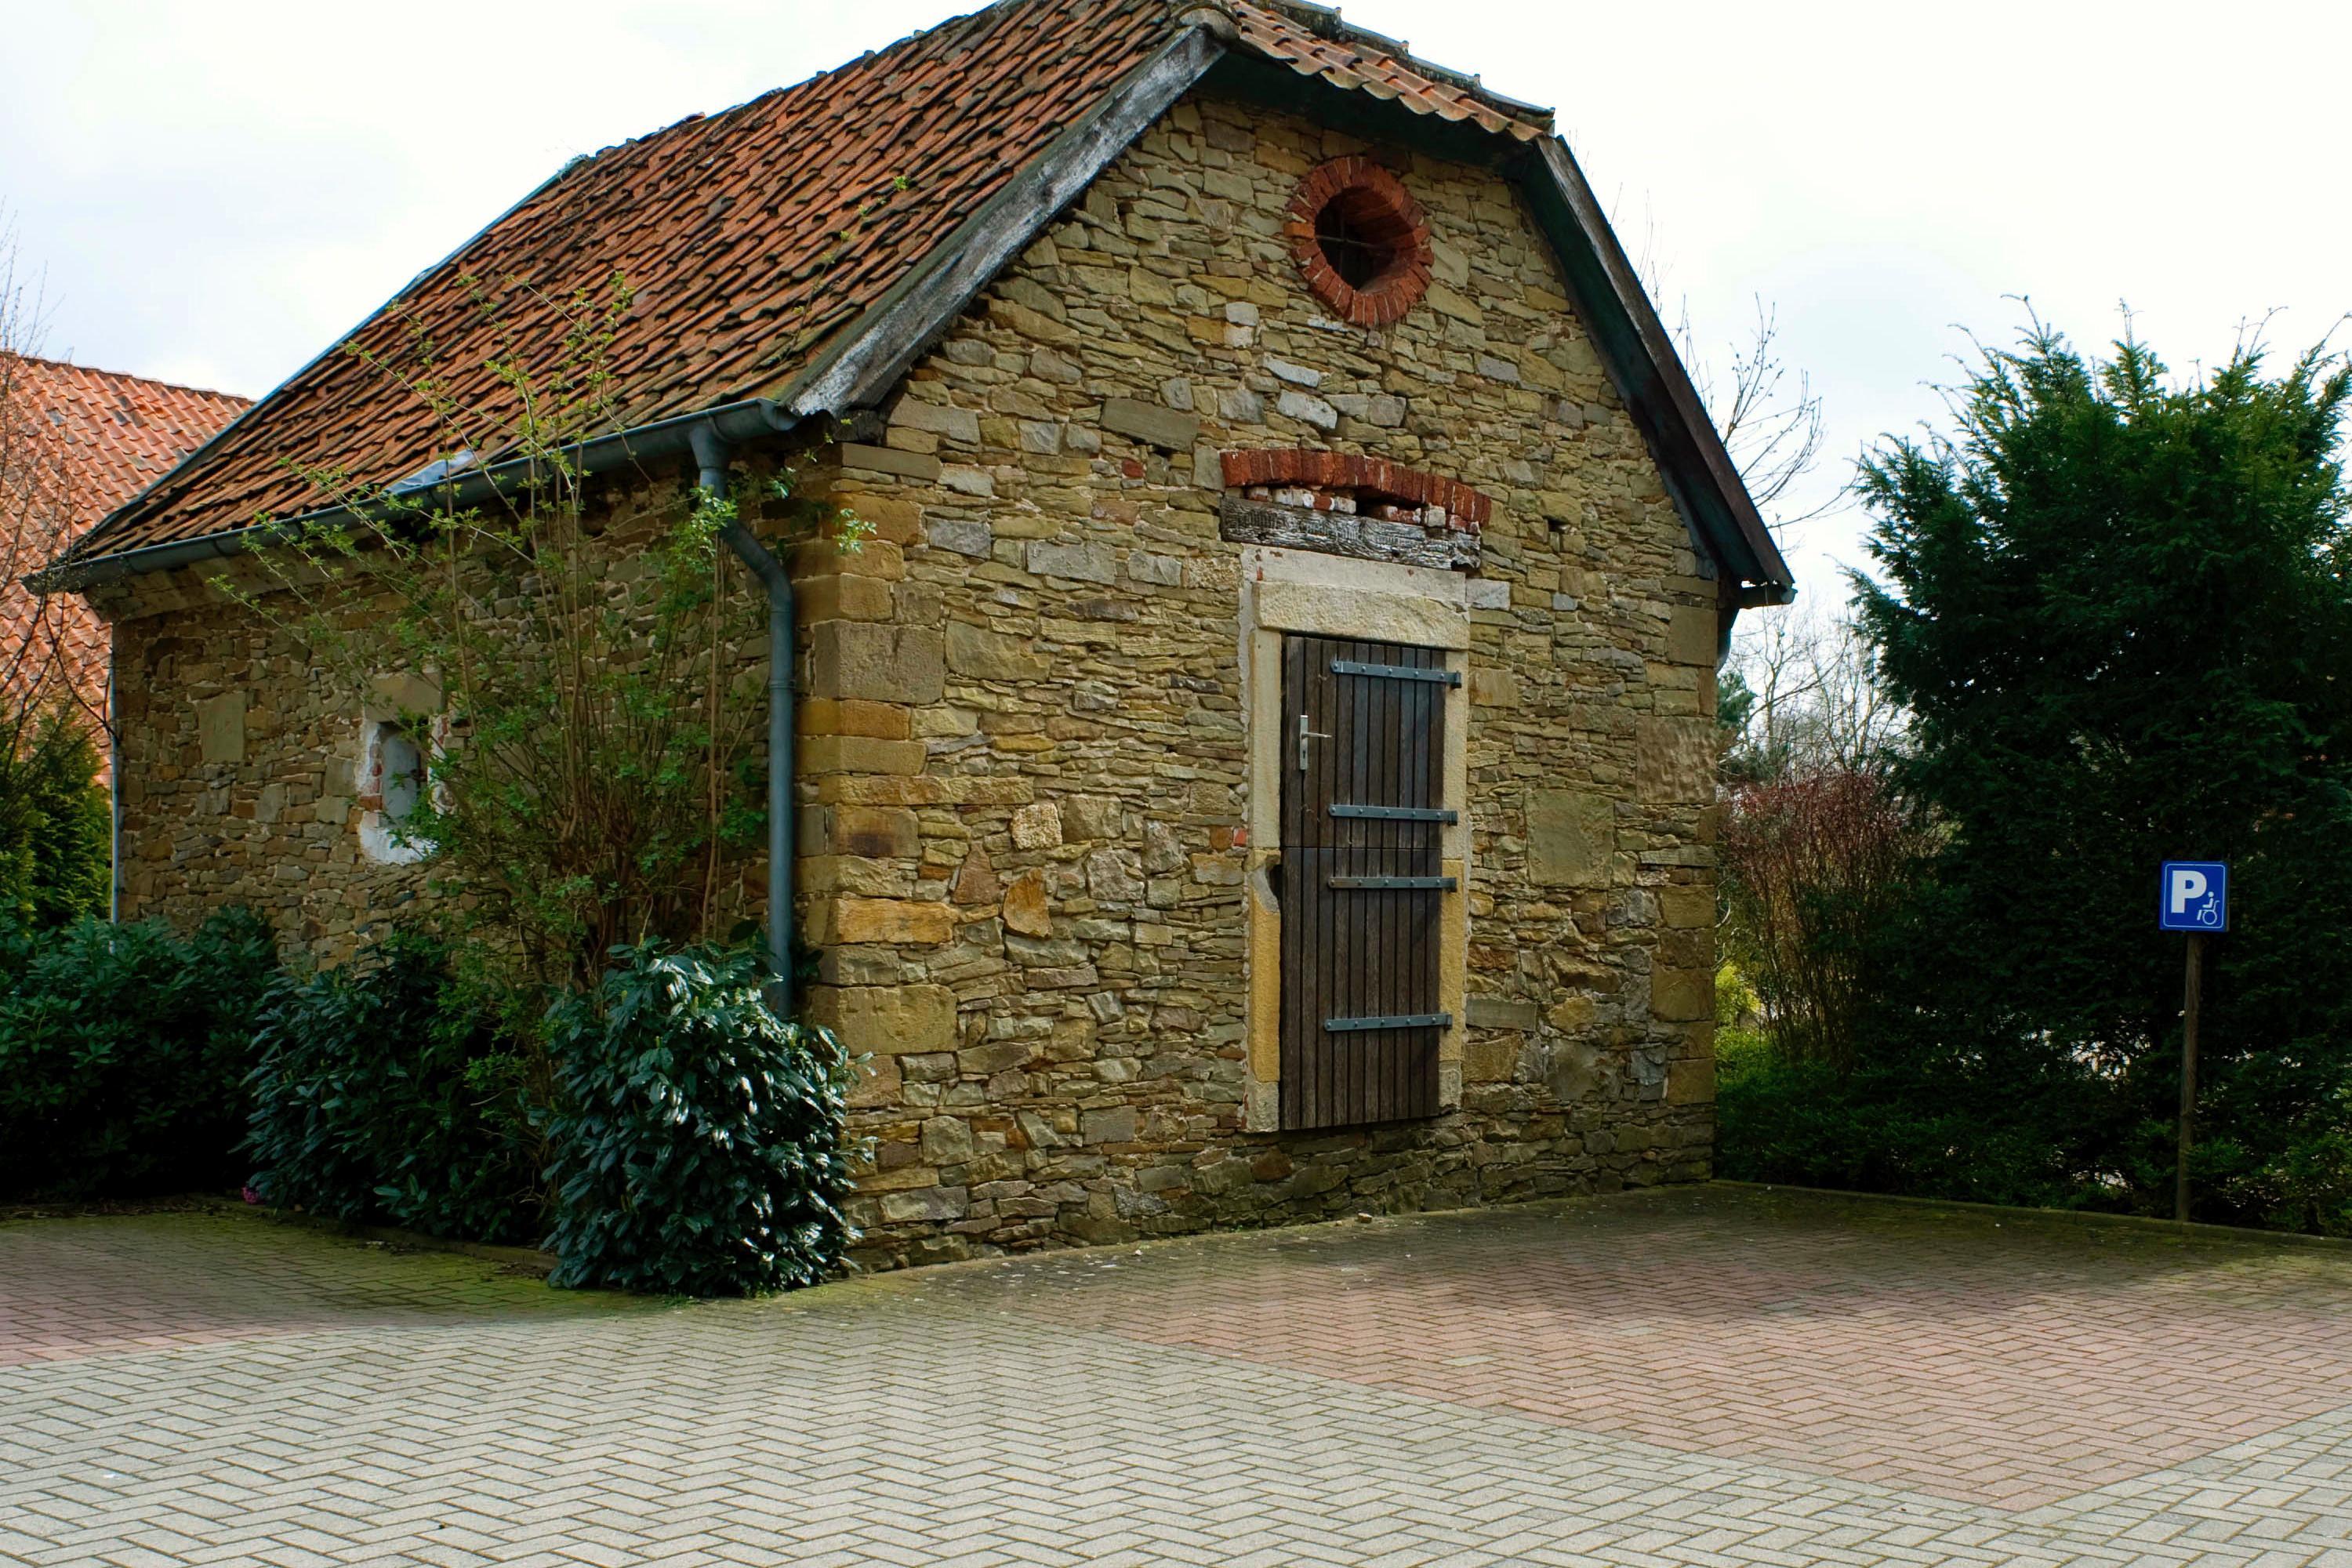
747,237
99,438
121,433
1313,42
750,238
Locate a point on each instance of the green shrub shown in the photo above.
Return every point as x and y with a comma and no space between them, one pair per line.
2305,1183
1990,1120
122,1055
55,826
2113,604
388,1092
698,1146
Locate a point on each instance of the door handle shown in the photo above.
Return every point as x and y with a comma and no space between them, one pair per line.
1305,735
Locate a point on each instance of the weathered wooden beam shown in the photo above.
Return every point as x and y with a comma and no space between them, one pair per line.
1245,522
882,345
1661,394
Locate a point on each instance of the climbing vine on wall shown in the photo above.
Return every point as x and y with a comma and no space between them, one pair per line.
575,660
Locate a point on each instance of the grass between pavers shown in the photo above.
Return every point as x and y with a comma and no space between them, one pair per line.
528,1260
534,1264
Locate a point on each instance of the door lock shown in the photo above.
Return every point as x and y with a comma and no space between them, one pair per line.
1305,735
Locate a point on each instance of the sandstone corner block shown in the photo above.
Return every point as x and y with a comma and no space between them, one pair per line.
1691,1082
852,922
1682,996
887,1020
1692,635
865,661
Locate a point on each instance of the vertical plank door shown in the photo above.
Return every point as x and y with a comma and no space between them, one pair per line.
1363,754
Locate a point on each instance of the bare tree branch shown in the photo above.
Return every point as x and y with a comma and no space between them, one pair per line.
1819,706
1770,416
36,513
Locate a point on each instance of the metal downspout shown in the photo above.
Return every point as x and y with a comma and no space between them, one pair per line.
710,454
113,787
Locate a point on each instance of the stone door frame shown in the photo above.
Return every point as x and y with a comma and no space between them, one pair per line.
1286,592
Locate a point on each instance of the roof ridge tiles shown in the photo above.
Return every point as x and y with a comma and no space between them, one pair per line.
121,376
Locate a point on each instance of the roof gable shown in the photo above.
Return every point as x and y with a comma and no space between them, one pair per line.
747,238
805,246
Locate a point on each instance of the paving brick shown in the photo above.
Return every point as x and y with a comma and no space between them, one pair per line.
1701,1377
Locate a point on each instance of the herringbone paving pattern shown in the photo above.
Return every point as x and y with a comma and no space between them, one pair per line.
1620,1382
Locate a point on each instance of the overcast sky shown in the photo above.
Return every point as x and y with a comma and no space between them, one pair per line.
215,191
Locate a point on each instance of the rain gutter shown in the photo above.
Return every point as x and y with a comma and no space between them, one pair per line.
733,422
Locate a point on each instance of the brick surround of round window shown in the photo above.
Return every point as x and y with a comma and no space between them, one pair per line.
1360,240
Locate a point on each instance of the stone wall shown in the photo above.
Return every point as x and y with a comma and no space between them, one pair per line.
243,752
1027,851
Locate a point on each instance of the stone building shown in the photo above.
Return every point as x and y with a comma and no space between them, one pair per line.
1263,766
80,442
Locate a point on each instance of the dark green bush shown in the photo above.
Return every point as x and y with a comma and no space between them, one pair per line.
2309,1187
55,859
697,1149
388,1092
122,1055
2113,604
1882,1129
1959,1100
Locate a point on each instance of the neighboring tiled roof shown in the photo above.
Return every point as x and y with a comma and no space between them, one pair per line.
100,438
122,432
750,238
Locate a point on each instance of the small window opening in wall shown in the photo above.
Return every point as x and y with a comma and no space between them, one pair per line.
402,768
392,781
1362,235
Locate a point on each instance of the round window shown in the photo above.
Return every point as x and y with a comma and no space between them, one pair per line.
1360,240
1363,237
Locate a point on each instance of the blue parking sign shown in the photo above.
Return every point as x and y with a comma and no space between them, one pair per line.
2195,897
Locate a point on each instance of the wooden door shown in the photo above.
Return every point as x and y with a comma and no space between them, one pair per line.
1363,754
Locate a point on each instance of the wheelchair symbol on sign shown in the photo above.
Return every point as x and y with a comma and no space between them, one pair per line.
2196,896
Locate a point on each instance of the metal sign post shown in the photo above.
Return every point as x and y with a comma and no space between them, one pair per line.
2195,898
2190,997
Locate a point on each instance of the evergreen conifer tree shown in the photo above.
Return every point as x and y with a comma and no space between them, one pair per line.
2117,608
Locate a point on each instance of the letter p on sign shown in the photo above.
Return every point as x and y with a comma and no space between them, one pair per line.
2196,896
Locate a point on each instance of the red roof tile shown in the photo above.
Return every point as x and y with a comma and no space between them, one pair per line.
120,433
1313,42
99,438
750,239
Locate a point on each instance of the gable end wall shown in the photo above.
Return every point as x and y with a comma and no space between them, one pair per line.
1027,848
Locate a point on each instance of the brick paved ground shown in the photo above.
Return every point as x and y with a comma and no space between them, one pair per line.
1703,1378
